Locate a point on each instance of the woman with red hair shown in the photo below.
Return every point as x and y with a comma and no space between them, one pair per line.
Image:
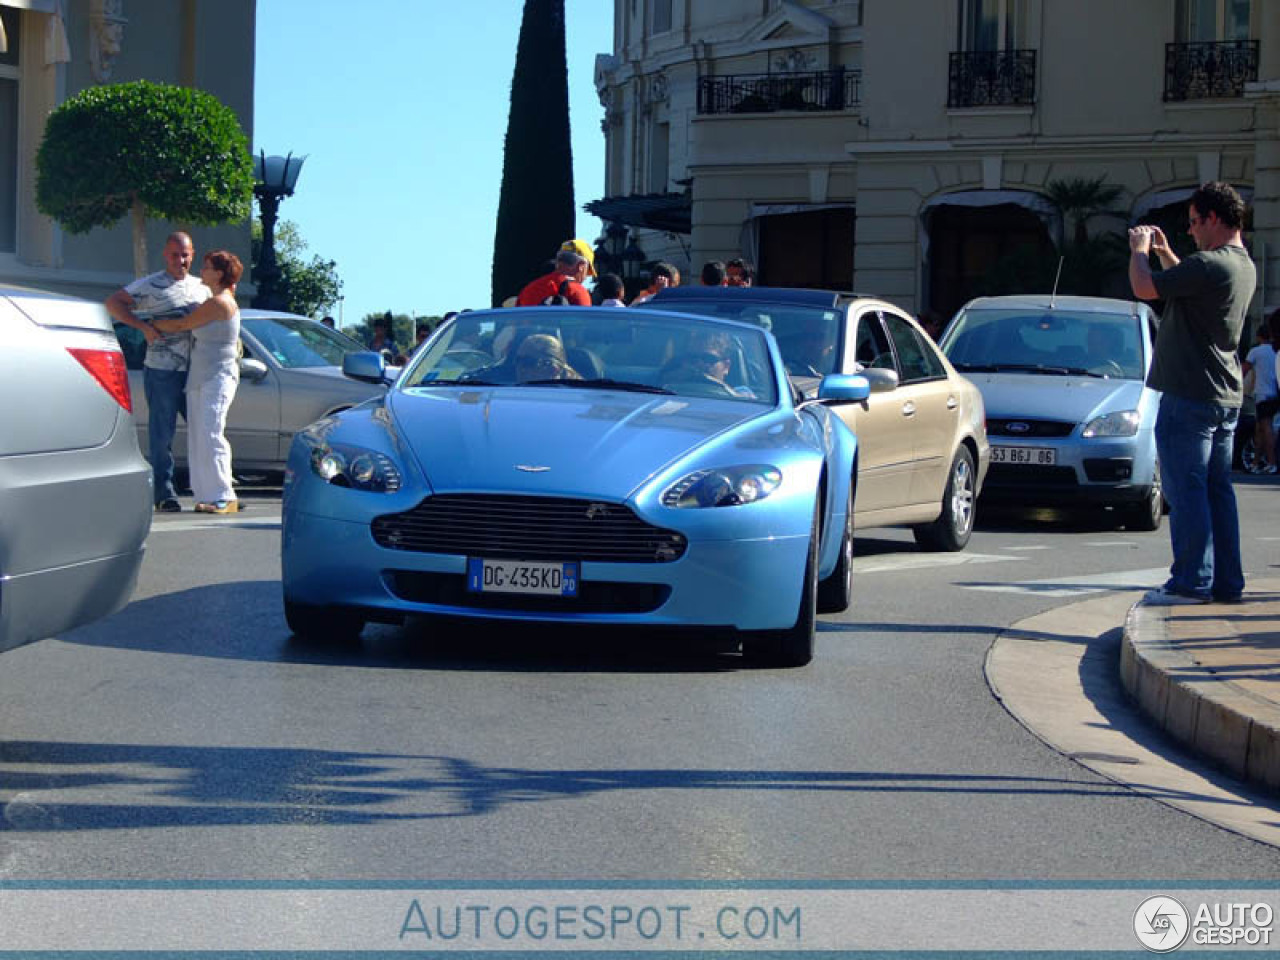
212,378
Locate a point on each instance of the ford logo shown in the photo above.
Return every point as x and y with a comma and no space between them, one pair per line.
1017,426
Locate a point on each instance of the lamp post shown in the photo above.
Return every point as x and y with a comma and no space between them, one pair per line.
274,179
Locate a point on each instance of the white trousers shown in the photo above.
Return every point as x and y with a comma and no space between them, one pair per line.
208,453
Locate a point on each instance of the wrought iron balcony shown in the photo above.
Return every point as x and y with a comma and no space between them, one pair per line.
836,89
1202,71
992,78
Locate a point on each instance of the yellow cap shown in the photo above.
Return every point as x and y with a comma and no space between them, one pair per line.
583,249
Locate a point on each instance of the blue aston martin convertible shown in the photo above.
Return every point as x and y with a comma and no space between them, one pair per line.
579,465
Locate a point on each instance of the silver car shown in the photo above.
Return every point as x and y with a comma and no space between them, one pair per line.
290,376
75,492
1069,415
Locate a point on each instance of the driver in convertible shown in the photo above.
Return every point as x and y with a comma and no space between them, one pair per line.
541,356
708,359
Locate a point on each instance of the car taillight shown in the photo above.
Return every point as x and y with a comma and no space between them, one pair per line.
107,367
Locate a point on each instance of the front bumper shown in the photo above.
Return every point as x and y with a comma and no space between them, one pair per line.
744,584
1101,471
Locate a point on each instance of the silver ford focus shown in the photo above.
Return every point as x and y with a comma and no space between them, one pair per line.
75,492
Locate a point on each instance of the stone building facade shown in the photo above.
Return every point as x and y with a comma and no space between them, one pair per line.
910,147
51,50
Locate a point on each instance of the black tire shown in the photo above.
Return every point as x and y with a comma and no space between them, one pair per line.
1148,514
951,531
835,593
322,623
792,647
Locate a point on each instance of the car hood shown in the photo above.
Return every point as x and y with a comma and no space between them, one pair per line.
1041,397
554,440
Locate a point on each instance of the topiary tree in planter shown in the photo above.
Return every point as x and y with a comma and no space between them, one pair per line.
143,149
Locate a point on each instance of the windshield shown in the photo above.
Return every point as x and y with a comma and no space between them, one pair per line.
597,349
299,342
809,338
1061,342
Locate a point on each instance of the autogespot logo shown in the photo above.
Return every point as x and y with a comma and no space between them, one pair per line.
1161,924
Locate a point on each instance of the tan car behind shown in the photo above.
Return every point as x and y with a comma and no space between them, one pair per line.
922,442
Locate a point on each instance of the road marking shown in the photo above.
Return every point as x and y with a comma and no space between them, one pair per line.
1080,586
920,561
256,521
1039,546
1109,543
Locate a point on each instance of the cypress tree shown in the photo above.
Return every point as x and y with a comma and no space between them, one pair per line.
535,207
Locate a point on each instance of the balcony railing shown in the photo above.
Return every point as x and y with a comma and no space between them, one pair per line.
1202,71
992,78
836,89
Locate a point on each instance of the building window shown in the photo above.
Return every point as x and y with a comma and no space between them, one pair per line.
1203,21
661,16
1212,56
987,25
659,157
9,60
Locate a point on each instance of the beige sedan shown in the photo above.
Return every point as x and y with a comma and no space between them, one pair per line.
922,441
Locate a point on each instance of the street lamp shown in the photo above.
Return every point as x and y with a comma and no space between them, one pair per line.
274,179
609,250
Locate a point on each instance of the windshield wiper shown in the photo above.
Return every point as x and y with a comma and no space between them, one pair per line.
1021,368
458,383
599,383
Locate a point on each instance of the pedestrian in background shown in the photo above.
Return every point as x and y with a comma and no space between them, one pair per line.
328,322
933,323
609,289
713,274
662,275
1261,363
1197,371
211,382
574,262
172,292
739,273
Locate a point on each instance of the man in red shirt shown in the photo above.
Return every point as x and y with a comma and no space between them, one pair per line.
575,261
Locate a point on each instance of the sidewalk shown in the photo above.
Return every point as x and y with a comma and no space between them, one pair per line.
1210,675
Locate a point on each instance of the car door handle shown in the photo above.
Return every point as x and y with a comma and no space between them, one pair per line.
952,403
908,409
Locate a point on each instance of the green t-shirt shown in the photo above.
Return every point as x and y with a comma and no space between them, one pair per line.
1206,297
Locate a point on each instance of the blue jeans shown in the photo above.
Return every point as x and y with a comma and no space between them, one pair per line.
1193,441
166,392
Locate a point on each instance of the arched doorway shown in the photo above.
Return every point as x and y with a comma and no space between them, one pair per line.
985,250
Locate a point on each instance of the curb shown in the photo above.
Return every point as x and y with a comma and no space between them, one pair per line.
1212,716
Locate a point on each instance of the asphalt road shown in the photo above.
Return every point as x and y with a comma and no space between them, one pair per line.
189,737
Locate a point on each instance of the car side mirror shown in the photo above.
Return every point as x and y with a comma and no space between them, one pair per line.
844,387
252,370
368,366
880,379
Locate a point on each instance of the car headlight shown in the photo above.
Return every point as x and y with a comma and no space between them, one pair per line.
724,488
1122,423
347,466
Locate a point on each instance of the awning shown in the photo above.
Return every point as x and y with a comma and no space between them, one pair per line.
1164,198
668,212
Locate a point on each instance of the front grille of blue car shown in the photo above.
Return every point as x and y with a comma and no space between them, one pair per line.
528,528
1018,427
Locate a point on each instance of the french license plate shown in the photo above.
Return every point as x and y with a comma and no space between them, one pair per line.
1037,456
522,576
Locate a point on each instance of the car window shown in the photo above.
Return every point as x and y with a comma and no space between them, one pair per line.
299,342
916,359
872,349
810,339
1054,341
547,346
